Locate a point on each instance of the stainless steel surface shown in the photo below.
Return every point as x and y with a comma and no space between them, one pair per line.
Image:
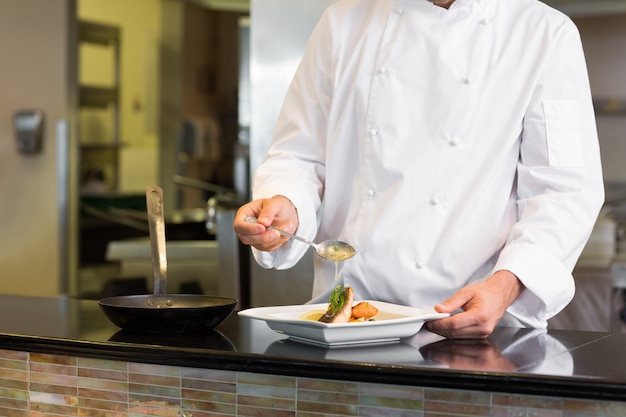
233,274
201,185
223,197
241,164
154,200
68,177
63,186
192,265
279,30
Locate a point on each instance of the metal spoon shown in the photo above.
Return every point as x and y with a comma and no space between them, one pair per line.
333,250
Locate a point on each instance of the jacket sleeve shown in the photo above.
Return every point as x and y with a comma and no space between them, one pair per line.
559,183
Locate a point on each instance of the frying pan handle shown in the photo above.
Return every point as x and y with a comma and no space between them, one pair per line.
156,223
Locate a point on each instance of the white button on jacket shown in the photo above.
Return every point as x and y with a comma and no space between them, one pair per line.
520,191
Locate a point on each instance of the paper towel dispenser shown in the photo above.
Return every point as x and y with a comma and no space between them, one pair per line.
29,128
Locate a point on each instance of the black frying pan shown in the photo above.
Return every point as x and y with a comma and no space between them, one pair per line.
160,312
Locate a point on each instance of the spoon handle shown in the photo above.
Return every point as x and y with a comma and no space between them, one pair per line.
289,235
282,232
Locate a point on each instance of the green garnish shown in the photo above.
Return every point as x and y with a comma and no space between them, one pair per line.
337,299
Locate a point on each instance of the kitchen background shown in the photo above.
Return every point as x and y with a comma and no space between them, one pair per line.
184,94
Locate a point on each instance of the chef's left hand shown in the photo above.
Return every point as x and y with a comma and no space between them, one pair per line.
483,304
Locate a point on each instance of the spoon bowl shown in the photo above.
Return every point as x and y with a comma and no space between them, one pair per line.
333,250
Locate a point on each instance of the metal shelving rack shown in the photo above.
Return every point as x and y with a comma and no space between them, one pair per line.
103,97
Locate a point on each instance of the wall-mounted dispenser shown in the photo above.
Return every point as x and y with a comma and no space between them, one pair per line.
29,129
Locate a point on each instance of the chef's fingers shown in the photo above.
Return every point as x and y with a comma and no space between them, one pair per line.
475,321
280,212
267,240
256,234
464,325
251,209
267,211
483,304
454,303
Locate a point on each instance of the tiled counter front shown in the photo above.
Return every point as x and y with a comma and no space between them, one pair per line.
38,385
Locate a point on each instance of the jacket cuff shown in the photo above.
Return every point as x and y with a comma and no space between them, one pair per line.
549,286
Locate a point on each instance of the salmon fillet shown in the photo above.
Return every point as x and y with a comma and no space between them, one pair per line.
343,315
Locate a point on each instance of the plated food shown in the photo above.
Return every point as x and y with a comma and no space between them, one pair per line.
392,323
341,308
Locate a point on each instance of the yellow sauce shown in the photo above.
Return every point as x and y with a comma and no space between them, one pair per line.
313,315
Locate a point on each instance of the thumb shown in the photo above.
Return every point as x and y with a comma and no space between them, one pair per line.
266,218
276,209
269,211
456,302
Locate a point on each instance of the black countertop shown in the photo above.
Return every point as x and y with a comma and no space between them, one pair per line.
524,361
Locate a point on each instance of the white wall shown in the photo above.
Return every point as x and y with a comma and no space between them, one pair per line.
33,74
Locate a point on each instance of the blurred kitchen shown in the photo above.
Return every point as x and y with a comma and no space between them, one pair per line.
184,94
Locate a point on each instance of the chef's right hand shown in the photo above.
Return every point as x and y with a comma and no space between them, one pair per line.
277,211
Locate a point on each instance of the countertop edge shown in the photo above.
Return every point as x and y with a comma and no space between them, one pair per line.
514,383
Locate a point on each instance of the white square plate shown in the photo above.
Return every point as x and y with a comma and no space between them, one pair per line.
392,323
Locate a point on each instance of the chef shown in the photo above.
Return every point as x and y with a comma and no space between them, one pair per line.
452,143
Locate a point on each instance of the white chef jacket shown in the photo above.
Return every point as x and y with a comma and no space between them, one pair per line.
444,145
